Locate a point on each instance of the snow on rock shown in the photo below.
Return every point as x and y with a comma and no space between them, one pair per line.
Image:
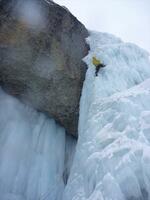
32,153
112,160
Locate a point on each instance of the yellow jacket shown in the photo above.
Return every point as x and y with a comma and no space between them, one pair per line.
95,61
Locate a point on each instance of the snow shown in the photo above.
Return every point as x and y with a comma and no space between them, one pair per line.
112,159
32,153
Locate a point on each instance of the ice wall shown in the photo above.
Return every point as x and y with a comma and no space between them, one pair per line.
112,160
33,153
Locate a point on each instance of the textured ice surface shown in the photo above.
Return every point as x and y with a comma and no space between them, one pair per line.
112,160
32,153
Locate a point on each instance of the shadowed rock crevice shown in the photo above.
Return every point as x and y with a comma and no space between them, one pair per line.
41,49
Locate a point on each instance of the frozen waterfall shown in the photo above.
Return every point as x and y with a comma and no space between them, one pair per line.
112,160
33,149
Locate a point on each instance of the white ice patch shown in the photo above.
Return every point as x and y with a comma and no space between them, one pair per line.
112,160
32,153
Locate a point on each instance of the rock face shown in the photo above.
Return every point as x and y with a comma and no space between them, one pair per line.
41,49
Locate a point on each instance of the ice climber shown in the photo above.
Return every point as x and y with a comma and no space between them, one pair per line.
98,64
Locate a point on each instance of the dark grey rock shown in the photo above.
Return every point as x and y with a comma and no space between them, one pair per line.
41,49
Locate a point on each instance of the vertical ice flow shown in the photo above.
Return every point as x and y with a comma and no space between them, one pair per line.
112,160
32,153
